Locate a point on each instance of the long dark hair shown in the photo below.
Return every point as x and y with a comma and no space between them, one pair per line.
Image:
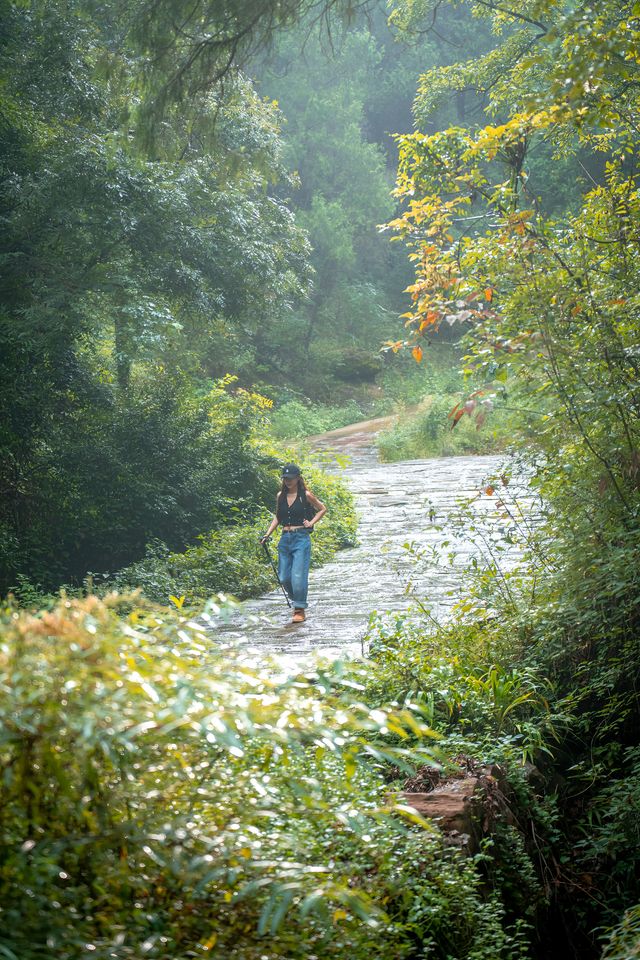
303,489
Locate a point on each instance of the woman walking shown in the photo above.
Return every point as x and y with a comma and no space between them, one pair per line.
297,511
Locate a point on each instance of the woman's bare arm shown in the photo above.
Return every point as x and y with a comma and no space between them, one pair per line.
318,506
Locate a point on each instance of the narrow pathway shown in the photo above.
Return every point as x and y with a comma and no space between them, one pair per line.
398,503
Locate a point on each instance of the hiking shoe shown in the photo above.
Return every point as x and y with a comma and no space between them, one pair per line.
298,616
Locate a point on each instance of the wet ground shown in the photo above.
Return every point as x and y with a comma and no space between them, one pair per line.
406,509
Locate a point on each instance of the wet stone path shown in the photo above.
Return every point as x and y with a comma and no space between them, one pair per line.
409,502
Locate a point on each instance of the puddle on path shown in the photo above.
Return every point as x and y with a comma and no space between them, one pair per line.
396,504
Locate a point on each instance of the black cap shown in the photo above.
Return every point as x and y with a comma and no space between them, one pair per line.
290,470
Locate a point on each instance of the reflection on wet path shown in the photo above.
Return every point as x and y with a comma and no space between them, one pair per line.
397,503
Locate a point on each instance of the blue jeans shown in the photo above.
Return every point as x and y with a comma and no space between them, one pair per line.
294,557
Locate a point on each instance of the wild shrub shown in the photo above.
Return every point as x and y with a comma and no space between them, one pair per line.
295,419
430,433
623,942
161,796
157,462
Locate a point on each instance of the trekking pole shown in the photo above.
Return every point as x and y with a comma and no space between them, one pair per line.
265,544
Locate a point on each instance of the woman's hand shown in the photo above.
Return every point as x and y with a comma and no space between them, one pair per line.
307,523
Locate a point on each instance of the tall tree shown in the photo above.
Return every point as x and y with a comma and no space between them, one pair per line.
548,302
117,268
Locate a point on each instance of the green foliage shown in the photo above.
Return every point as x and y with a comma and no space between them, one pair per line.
407,382
169,466
326,94
161,796
623,943
294,420
546,284
226,561
611,842
547,306
173,66
431,433
126,278
449,918
540,666
435,388
446,672
506,715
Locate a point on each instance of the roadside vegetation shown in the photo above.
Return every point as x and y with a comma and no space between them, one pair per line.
426,398
541,279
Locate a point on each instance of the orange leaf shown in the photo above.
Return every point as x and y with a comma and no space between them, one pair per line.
457,416
488,294
417,354
489,490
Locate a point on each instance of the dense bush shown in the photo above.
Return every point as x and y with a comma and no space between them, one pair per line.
623,943
154,462
430,433
540,665
161,797
466,683
294,419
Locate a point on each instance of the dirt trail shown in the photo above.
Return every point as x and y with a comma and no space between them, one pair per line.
362,434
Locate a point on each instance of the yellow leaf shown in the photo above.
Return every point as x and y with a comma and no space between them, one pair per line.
178,601
339,915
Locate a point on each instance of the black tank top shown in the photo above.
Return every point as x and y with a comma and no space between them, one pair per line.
294,515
